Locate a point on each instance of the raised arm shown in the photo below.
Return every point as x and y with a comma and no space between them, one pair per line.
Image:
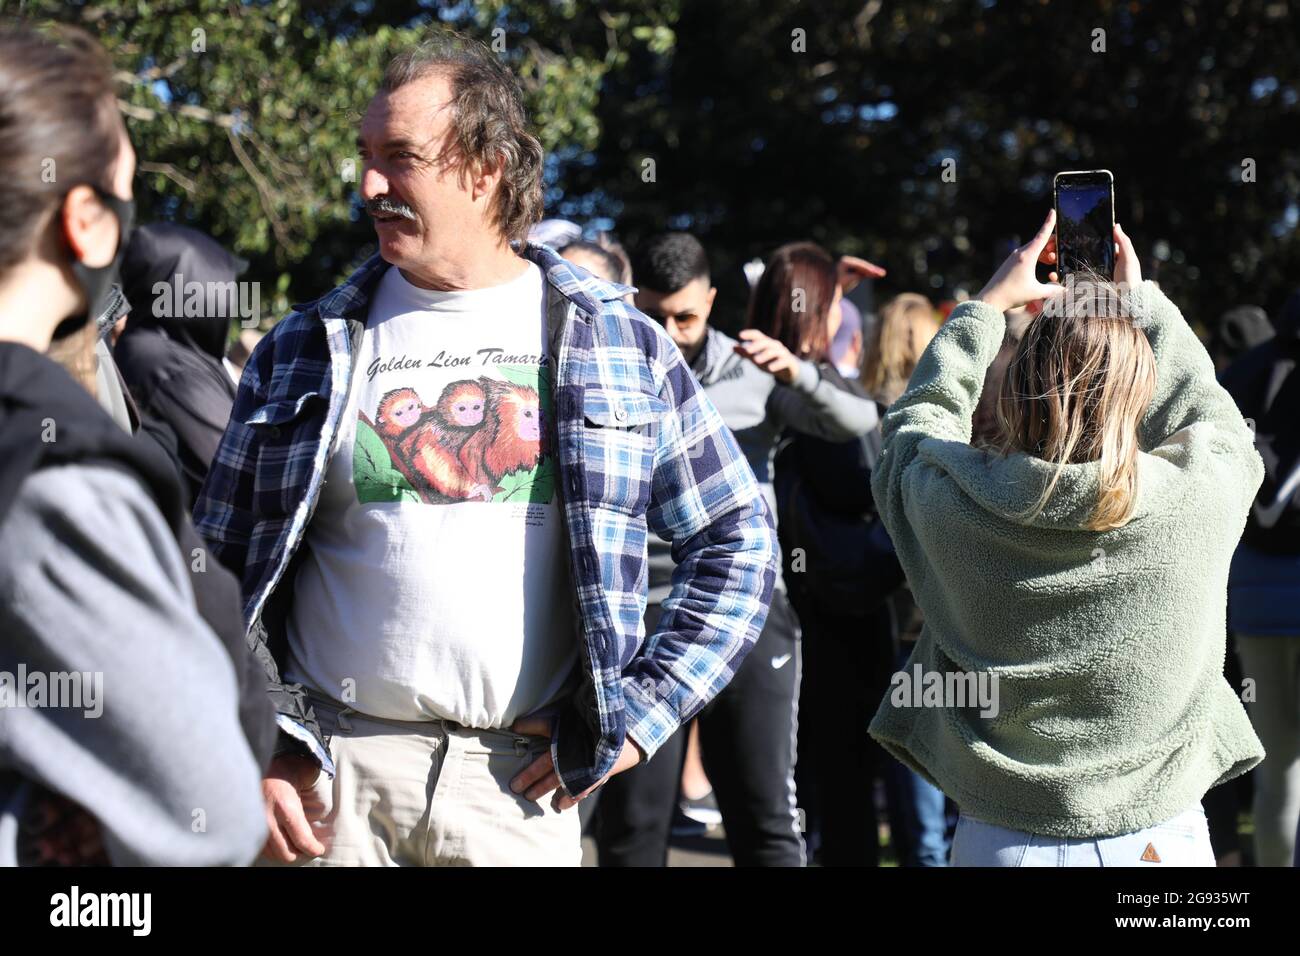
1189,407
1187,391
940,399
945,387
814,406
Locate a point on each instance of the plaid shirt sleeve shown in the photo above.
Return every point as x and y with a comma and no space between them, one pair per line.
706,501
222,512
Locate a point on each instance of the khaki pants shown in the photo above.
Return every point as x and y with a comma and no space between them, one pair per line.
433,793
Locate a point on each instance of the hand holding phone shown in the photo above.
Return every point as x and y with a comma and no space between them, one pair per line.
1128,270
1015,282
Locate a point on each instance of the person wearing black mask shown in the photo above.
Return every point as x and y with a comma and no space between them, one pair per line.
172,363
97,603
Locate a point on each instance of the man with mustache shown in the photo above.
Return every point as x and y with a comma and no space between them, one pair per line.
451,678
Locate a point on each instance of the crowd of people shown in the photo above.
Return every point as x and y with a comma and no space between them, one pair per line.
502,541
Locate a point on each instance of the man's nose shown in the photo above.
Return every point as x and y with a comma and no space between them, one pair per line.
373,183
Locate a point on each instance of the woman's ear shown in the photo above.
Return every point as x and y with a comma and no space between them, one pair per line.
89,229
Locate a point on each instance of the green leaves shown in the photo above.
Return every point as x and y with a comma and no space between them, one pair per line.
244,116
536,484
373,473
534,376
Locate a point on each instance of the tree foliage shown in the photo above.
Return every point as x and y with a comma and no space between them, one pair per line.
765,121
244,115
758,143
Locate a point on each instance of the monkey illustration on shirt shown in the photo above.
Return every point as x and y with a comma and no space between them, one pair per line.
397,412
512,438
424,442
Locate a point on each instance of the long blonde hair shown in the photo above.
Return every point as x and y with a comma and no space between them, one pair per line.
1076,390
906,325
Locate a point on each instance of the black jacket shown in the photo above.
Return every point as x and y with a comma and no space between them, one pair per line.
1266,388
172,363
826,510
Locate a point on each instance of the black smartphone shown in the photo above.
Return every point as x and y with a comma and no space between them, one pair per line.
1085,221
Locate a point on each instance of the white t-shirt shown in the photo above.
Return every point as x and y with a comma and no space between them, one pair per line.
436,580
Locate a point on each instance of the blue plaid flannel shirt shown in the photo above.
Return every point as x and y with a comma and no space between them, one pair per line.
639,448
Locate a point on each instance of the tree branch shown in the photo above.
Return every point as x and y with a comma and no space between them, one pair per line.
263,188
171,172
188,110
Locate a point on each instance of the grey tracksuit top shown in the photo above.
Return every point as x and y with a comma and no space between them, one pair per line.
758,409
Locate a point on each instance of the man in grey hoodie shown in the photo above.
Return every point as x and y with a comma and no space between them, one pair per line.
747,734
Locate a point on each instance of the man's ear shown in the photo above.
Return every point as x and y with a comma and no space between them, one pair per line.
708,303
484,178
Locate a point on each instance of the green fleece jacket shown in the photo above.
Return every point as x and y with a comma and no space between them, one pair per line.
1108,647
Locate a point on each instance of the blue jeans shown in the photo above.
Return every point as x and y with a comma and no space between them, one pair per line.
1183,840
919,809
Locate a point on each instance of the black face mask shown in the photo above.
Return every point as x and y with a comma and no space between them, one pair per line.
97,281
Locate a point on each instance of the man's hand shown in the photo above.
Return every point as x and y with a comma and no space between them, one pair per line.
1014,284
291,808
540,778
769,355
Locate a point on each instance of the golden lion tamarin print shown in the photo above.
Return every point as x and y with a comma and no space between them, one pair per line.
512,439
424,442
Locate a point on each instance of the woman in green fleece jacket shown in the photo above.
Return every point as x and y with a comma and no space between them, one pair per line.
1073,578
